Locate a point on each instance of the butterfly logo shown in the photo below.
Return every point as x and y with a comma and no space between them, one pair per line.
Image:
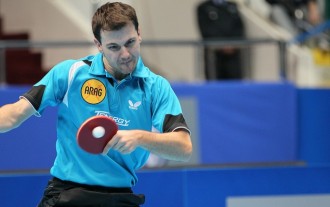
134,106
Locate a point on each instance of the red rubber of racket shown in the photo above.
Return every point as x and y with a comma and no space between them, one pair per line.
85,137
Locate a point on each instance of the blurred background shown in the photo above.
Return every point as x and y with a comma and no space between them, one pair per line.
172,34
252,76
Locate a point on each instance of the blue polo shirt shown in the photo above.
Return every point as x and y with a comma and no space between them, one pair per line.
82,89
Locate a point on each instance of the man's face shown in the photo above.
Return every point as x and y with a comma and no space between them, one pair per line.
121,50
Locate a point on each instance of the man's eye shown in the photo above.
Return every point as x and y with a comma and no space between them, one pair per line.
114,48
130,42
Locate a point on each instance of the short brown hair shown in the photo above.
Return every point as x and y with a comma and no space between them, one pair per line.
113,16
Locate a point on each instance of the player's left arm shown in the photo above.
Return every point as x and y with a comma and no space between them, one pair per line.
174,145
173,142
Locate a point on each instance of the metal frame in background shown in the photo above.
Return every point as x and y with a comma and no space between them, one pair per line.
199,45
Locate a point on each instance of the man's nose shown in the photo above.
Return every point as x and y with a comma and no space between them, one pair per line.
125,52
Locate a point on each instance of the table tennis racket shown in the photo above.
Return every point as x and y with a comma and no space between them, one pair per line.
94,134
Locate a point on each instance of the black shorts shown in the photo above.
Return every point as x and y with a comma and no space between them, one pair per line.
64,193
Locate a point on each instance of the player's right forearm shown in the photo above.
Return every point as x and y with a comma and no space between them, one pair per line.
9,117
7,120
12,115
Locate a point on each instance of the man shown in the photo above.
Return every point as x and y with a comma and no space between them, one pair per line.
112,83
221,20
296,16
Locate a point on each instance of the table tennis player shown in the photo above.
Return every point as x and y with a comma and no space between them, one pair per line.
113,83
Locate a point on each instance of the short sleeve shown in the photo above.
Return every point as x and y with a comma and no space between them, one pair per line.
166,108
51,89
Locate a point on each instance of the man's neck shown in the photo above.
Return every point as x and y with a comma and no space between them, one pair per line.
109,69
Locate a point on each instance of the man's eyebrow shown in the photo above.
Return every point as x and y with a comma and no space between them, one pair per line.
111,44
116,44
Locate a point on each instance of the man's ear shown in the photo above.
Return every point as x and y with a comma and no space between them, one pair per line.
98,45
139,34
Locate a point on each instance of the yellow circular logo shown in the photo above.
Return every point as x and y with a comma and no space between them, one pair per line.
93,91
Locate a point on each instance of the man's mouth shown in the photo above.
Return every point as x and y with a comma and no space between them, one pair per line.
126,62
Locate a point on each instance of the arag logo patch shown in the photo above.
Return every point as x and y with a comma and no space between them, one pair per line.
93,91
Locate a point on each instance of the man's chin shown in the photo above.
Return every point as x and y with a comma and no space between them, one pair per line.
127,69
